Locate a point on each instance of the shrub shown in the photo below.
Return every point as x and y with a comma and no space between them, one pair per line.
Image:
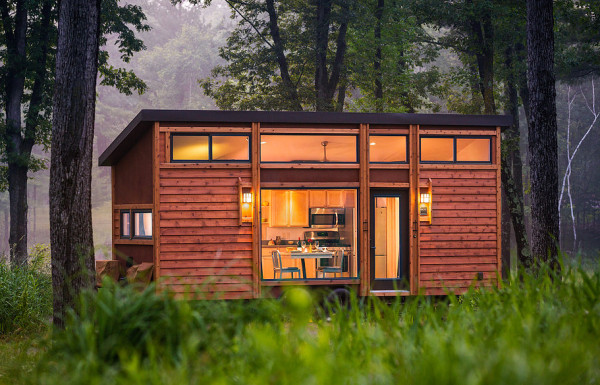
542,329
26,294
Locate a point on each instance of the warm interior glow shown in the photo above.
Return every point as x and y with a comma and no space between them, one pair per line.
425,198
188,147
473,150
389,149
142,224
387,237
437,149
308,148
230,148
126,224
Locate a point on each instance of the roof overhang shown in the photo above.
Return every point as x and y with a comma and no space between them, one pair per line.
145,119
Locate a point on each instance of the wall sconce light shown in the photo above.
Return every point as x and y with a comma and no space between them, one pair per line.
425,203
246,207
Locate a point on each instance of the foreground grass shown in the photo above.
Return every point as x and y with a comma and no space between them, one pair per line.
532,331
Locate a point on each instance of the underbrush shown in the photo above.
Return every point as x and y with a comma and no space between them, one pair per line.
534,330
26,294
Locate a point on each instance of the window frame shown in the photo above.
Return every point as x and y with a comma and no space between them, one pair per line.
407,149
454,140
210,150
132,213
139,211
121,227
356,145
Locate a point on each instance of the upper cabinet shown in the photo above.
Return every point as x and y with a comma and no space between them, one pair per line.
289,208
280,208
318,198
332,198
299,208
335,198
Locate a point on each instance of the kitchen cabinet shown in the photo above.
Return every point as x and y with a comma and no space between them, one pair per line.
350,198
298,208
280,208
318,198
289,208
335,198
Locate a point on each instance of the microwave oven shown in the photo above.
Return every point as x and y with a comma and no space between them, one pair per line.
323,218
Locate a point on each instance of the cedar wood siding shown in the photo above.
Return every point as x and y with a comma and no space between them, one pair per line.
199,244
132,185
462,239
203,249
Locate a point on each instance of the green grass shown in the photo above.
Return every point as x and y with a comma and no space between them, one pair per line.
26,294
532,331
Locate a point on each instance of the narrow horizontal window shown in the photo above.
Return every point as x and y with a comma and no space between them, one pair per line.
230,147
309,148
125,224
437,149
210,147
473,149
189,147
142,224
387,149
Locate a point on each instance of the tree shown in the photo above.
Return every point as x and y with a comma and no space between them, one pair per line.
484,35
29,36
71,159
387,58
543,148
274,49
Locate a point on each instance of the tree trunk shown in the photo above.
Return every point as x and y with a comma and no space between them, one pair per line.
543,148
17,190
512,175
71,158
483,32
278,47
15,39
506,235
378,58
323,19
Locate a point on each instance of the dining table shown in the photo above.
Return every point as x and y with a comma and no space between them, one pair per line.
314,254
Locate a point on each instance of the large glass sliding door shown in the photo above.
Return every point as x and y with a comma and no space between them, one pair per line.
389,240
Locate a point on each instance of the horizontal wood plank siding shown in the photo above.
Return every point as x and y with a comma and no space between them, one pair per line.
203,250
459,248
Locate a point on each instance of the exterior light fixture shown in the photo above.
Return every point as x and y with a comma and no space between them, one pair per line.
372,143
245,199
425,202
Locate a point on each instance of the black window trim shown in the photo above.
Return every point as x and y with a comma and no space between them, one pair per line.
210,136
139,211
455,137
356,144
407,149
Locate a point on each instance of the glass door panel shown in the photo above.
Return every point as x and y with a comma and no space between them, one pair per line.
389,254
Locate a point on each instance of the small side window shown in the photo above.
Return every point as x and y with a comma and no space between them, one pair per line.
142,224
125,224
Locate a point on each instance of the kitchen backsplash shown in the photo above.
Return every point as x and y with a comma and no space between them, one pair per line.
288,233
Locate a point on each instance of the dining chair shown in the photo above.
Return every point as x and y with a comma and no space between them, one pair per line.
336,267
276,255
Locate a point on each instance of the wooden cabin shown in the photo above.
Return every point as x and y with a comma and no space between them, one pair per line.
233,204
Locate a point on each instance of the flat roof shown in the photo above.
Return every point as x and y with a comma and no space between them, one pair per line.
145,118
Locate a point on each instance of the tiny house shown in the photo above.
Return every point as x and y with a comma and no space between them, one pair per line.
239,204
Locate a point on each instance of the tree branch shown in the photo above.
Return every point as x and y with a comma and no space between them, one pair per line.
249,22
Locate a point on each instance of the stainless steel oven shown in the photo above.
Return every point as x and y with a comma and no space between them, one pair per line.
326,218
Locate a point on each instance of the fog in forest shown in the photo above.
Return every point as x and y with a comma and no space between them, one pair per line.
183,47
